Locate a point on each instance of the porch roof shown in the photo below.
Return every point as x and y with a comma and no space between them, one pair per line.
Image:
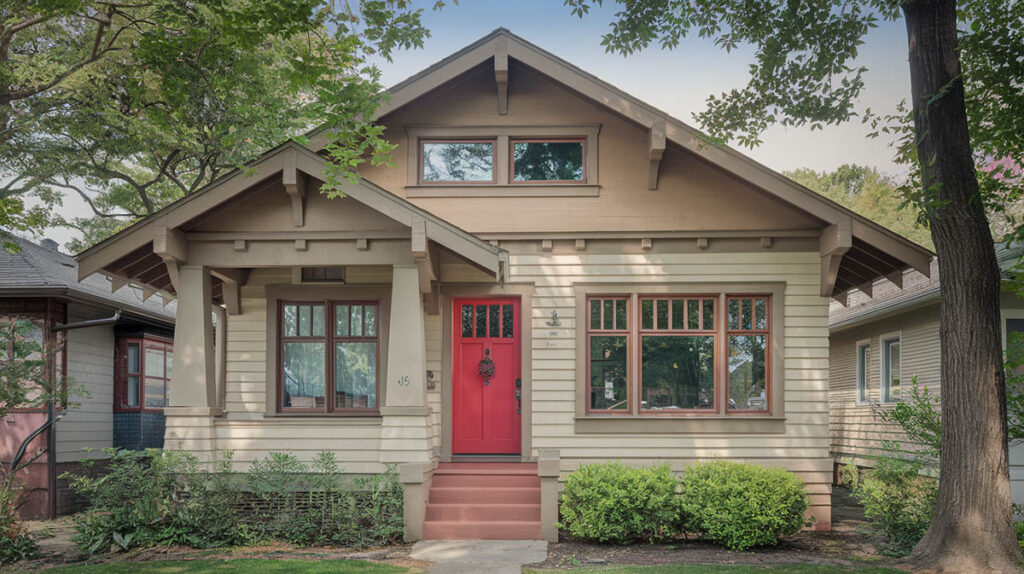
137,254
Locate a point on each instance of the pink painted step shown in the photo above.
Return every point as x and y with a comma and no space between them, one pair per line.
484,501
457,530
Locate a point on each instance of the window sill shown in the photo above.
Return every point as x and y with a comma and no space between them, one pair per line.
696,424
311,420
497,190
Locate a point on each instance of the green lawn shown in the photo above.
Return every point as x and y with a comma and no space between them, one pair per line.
241,566
726,569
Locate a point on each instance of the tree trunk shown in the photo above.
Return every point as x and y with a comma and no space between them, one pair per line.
972,528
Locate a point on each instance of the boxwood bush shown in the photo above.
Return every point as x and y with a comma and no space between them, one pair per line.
741,506
612,502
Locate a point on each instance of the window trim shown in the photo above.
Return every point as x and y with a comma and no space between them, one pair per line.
769,422
884,388
861,383
565,139
420,142
329,340
145,341
45,313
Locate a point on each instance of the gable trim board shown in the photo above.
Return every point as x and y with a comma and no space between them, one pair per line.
502,43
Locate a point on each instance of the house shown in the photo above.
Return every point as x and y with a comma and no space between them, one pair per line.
881,340
115,346
551,273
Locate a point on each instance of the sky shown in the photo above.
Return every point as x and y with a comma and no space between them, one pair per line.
677,81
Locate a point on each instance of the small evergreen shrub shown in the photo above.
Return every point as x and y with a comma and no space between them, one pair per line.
612,502
898,502
16,543
741,506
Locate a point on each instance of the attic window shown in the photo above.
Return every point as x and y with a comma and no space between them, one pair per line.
323,274
548,160
457,161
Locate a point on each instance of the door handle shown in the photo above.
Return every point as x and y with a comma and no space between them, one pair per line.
519,396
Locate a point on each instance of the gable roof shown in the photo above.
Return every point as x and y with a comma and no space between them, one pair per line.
134,241
871,241
37,271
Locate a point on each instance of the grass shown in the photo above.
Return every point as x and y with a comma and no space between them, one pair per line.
727,569
246,566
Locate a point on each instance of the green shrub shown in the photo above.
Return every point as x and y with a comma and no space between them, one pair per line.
898,502
1018,527
16,543
741,506
612,502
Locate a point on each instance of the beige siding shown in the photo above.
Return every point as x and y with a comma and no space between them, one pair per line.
803,447
89,423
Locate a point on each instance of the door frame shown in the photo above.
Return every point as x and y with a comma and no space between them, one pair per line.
522,291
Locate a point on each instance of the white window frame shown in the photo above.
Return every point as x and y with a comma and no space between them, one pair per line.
884,389
863,359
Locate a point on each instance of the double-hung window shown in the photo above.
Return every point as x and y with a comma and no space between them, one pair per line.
329,357
862,372
891,370
678,354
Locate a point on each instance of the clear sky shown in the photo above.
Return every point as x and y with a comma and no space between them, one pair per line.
677,82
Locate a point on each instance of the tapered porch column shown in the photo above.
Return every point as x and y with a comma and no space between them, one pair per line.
192,396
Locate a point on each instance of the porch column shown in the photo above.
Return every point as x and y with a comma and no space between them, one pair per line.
192,396
405,434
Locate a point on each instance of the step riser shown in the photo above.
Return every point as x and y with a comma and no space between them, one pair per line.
484,512
481,531
485,480
485,495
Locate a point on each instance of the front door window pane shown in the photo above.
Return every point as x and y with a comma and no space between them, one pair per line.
507,322
495,320
467,320
458,161
678,372
747,373
356,374
304,368
608,387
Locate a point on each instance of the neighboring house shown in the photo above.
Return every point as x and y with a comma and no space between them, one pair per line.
119,364
552,273
880,341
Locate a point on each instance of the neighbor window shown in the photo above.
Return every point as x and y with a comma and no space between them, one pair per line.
329,356
457,161
891,370
678,349
548,160
862,372
144,374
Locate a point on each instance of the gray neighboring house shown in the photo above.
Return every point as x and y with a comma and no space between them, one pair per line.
116,345
880,341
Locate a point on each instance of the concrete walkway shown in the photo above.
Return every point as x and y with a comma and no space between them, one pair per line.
476,556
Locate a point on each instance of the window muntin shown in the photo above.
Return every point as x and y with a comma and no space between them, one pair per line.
346,354
677,354
747,340
145,376
862,372
608,380
548,160
457,161
891,388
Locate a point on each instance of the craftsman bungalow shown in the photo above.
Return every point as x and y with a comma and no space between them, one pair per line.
552,273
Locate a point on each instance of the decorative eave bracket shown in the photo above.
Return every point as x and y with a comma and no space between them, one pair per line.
295,186
501,76
232,281
835,241
428,264
172,247
657,151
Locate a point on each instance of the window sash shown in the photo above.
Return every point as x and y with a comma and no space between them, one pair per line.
332,339
862,372
133,383
494,161
888,362
512,160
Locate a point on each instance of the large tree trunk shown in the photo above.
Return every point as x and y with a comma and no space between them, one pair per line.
972,529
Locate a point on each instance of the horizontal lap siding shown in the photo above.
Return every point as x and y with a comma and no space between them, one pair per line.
802,448
89,423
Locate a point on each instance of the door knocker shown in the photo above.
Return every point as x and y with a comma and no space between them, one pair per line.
486,367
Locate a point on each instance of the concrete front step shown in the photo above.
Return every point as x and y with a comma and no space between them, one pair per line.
486,480
485,495
483,512
489,530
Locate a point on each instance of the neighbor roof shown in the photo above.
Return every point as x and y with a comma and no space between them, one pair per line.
37,271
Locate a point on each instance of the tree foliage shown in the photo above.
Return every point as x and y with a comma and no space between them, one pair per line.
131,105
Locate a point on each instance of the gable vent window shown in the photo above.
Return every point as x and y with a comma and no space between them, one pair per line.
323,274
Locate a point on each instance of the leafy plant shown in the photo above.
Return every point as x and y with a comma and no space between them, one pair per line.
742,505
16,543
919,417
898,502
613,502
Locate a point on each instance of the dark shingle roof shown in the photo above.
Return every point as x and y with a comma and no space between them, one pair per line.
39,271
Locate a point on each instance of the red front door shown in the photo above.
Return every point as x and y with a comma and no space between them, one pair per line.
485,412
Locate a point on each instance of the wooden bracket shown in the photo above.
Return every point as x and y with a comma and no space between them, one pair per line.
117,282
547,245
835,241
581,244
295,186
501,77
362,244
702,243
867,288
646,244
896,277
301,244
657,151
147,292
766,242
172,247
232,280
241,245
